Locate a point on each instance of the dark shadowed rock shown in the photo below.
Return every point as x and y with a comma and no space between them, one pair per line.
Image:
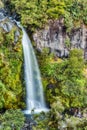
7,23
7,26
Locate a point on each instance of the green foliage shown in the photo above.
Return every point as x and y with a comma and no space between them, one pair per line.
55,120
67,78
56,9
2,93
35,14
67,42
11,72
12,119
69,83
51,119
69,22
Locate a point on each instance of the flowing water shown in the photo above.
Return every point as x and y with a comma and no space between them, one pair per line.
34,89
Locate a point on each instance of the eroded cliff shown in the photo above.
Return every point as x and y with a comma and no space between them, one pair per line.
55,37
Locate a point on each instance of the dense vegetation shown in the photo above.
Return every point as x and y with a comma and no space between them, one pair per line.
11,63
64,80
66,91
12,119
34,14
67,78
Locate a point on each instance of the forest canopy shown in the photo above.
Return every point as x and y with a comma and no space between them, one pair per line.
35,13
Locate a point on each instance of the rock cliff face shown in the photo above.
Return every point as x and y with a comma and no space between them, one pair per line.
55,37
7,24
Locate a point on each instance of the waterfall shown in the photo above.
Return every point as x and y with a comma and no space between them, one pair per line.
34,89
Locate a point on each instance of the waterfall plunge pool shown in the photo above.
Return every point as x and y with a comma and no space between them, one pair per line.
35,111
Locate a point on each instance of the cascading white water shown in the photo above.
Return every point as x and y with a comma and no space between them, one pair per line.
34,89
